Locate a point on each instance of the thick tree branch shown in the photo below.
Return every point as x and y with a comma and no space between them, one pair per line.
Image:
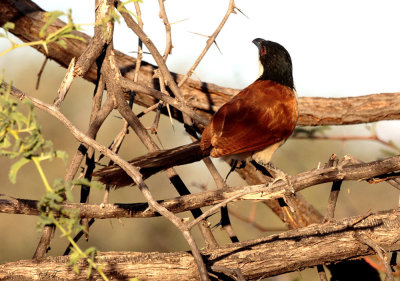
129,169
205,97
385,168
260,258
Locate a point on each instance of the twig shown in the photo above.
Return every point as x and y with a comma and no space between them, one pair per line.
117,142
140,44
127,84
354,171
44,242
254,224
168,43
236,272
39,75
210,41
167,51
78,236
132,171
147,110
137,126
322,273
207,97
83,64
334,194
65,84
363,238
111,72
154,127
219,181
372,137
154,52
212,197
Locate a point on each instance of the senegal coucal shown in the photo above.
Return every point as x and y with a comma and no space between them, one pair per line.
253,124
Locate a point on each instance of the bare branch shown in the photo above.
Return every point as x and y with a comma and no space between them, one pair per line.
364,238
39,75
260,258
65,84
334,194
168,43
210,41
352,171
131,170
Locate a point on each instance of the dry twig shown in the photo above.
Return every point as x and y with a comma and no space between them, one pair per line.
210,41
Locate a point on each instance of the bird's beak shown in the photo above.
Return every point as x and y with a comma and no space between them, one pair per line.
257,42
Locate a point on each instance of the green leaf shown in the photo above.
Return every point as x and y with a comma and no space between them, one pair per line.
15,167
73,260
54,197
97,185
82,181
86,182
44,220
72,36
62,155
91,251
50,17
68,194
62,43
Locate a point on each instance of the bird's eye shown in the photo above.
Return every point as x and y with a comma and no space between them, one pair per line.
263,50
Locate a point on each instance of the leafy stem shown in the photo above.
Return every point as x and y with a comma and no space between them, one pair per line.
37,161
88,255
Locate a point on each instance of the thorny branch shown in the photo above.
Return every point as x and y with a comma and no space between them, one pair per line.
168,41
79,69
364,238
146,139
320,243
180,102
210,41
344,171
130,170
205,97
112,75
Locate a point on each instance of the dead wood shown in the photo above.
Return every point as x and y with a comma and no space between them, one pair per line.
385,168
309,246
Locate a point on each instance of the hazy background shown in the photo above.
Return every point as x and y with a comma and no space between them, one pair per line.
338,48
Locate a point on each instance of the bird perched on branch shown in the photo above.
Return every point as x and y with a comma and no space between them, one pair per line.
253,124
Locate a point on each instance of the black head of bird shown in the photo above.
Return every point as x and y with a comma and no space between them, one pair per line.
275,62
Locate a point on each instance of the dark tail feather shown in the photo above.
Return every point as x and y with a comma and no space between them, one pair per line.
152,163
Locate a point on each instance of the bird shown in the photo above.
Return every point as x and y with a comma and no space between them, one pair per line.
251,126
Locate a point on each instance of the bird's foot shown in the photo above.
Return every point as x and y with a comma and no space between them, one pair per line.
105,198
277,175
235,166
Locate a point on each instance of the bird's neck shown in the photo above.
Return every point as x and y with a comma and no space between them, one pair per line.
280,73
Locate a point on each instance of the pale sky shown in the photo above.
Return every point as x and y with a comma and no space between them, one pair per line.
338,48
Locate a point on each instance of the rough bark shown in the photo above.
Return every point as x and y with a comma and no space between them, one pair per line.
260,258
385,168
205,98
